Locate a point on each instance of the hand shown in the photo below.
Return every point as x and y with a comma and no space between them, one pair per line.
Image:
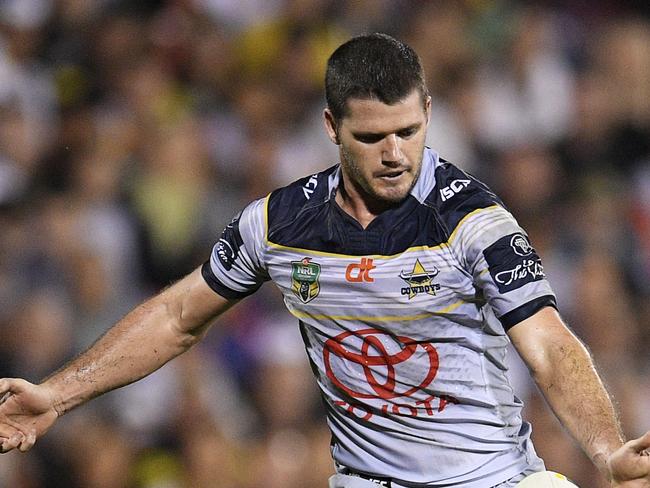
26,413
629,466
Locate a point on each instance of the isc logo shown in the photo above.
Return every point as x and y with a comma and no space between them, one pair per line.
454,187
358,272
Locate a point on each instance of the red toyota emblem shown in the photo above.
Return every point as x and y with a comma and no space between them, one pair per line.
374,360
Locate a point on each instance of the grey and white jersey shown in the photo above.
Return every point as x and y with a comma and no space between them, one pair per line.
404,322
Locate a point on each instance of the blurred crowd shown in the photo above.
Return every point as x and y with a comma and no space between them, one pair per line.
132,131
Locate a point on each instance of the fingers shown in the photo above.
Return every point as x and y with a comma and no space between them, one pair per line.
12,437
10,432
18,440
11,385
27,442
641,444
11,443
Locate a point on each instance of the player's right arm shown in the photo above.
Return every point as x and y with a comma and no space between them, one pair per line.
144,340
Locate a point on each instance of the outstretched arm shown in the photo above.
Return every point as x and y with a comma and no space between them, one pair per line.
144,340
565,373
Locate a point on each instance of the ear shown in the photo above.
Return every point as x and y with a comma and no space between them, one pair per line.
330,126
427,108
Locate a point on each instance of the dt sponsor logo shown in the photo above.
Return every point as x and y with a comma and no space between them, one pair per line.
359,272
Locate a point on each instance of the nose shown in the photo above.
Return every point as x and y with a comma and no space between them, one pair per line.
391,152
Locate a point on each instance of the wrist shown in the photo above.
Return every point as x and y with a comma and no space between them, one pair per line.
54,397
601,460
603,456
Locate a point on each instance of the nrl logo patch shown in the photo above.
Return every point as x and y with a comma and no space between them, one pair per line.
419,280
304,279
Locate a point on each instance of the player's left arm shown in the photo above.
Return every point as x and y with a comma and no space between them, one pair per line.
565,373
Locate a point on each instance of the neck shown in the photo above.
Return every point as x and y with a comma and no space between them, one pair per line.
357,203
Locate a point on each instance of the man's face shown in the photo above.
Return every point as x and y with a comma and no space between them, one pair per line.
381,147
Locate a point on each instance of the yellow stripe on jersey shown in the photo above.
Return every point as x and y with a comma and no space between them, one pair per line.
452,236
266,217
349,256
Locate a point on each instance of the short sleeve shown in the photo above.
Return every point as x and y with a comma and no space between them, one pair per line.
236,266
504,265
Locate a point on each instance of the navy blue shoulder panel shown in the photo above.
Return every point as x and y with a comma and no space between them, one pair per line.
287,202
295,211
457,194
304,215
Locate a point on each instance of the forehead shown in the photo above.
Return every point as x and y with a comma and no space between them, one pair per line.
371,115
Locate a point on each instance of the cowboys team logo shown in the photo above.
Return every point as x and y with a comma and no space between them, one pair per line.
419,280
304,279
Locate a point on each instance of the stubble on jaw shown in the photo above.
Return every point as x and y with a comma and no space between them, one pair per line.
349,164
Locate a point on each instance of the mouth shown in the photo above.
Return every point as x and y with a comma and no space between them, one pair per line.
391,175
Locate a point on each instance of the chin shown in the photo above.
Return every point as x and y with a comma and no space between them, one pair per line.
395,194
392,197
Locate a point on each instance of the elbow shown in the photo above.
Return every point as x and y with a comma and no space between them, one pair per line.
183,331
187,334
186,340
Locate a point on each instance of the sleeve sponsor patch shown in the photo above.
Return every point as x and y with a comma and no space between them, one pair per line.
513,262
228,246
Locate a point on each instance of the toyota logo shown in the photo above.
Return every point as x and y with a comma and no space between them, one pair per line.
381,367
